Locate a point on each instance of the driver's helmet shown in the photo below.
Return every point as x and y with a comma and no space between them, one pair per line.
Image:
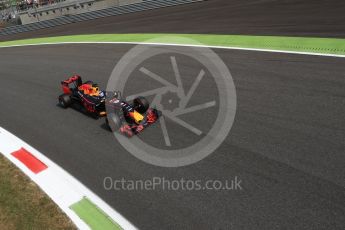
94,90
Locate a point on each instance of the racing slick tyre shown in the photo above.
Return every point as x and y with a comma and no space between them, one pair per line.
65,100
115,122
141,104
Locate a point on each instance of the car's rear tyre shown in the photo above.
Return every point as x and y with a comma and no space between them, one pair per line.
65,100
113,121
141,104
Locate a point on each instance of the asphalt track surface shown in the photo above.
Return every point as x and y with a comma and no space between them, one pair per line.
316,18
286,144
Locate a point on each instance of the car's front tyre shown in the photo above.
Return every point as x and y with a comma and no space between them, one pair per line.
141,104
114,123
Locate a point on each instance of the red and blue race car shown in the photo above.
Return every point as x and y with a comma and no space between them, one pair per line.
122,116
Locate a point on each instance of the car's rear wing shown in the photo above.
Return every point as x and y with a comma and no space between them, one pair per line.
66,83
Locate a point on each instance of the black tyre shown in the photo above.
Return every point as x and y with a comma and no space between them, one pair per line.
65,100
141,104
113,121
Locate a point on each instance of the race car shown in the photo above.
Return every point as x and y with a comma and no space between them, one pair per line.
129,119
84,96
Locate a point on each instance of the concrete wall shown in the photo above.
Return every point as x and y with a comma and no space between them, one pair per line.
69,8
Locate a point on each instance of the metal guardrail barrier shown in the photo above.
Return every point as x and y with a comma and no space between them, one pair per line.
111,11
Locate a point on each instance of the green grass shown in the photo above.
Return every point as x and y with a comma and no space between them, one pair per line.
93,216
300,44
24,206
